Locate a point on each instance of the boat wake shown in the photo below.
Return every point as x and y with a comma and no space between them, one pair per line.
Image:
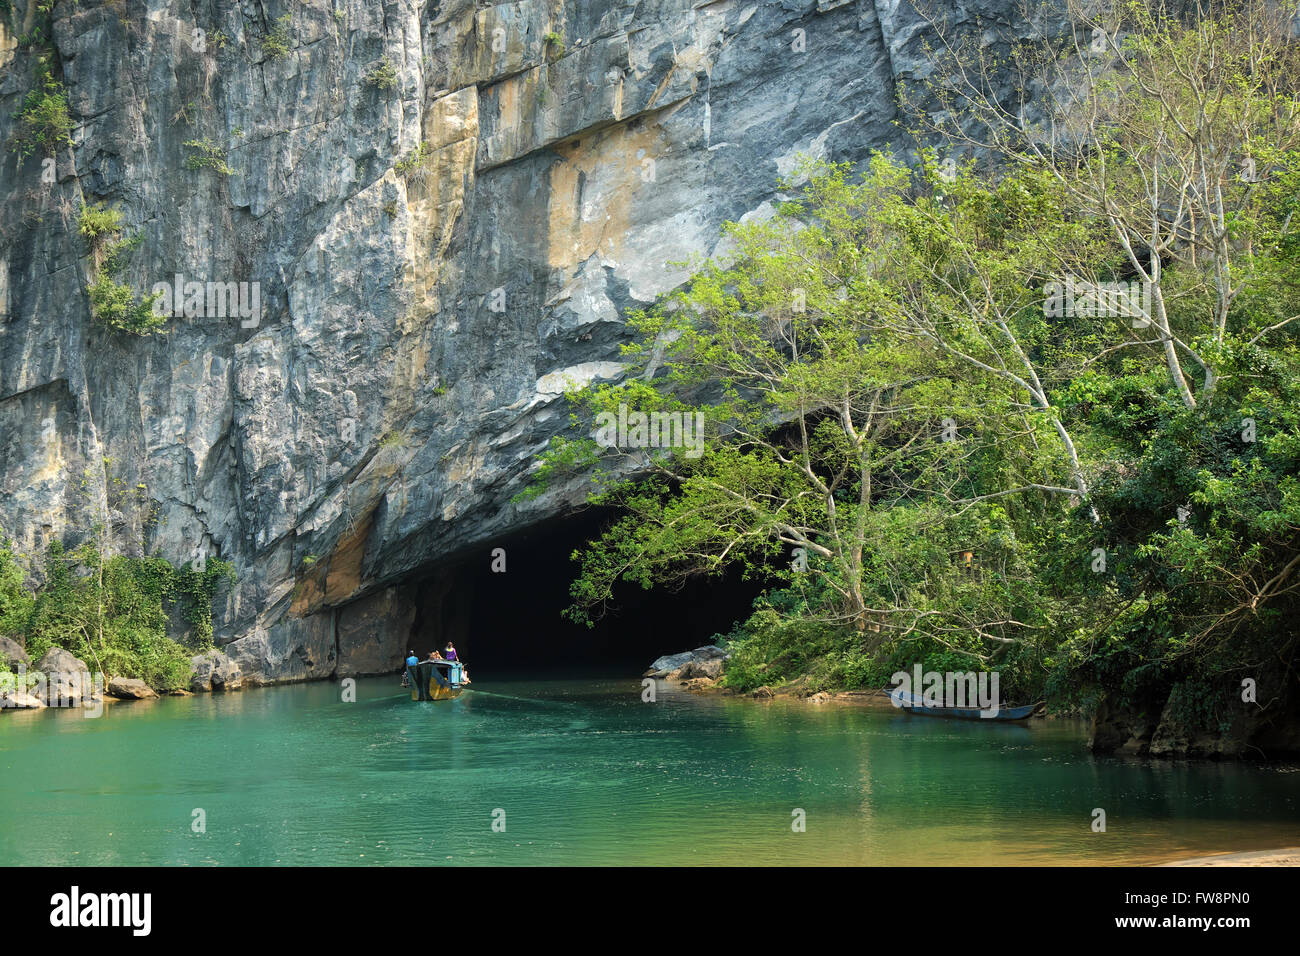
563,704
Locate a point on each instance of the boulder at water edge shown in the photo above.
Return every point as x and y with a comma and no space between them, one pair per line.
215,672
67,679
19,700
708,669
666,665
130,688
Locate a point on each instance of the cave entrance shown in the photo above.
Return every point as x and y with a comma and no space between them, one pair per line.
509,624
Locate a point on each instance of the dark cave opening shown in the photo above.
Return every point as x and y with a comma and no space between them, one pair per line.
508,624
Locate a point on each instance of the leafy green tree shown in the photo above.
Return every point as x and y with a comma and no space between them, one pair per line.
112,612
1163,124
860,460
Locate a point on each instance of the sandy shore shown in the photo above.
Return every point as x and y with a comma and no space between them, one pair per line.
1288,856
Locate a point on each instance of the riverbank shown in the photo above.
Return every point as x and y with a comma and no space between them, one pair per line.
702,671
1117,728
1288,856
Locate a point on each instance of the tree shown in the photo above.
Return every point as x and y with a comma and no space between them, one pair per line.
853,433
1161,122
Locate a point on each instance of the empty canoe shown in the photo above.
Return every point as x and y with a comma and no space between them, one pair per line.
913,703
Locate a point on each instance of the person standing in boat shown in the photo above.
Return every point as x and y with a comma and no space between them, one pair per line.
411,661
451,656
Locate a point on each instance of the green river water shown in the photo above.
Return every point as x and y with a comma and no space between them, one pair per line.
586,773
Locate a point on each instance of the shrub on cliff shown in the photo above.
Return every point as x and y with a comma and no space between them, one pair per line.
43,121
113,303
276,42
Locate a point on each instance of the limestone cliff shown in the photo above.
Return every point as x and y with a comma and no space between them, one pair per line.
445,206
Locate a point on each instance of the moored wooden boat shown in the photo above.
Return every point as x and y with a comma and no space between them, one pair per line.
436,680
913,703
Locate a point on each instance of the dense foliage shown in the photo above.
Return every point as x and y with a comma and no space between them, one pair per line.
932,454
112,611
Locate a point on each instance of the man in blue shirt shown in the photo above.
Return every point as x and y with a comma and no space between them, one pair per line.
411,659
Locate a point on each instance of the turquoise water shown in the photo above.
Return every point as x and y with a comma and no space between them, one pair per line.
586,773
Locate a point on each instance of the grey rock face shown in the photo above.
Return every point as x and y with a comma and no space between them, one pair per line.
373,634
436,257
292,649
709,669
11,654
1160,727
215,672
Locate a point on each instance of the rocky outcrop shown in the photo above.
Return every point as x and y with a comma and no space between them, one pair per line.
707,669
697,670
699,684
444,208
1122,729
215,672
291,650
1163,727
130,688
676,665
67,680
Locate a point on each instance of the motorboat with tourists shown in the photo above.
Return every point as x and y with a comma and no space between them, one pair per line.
436,679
